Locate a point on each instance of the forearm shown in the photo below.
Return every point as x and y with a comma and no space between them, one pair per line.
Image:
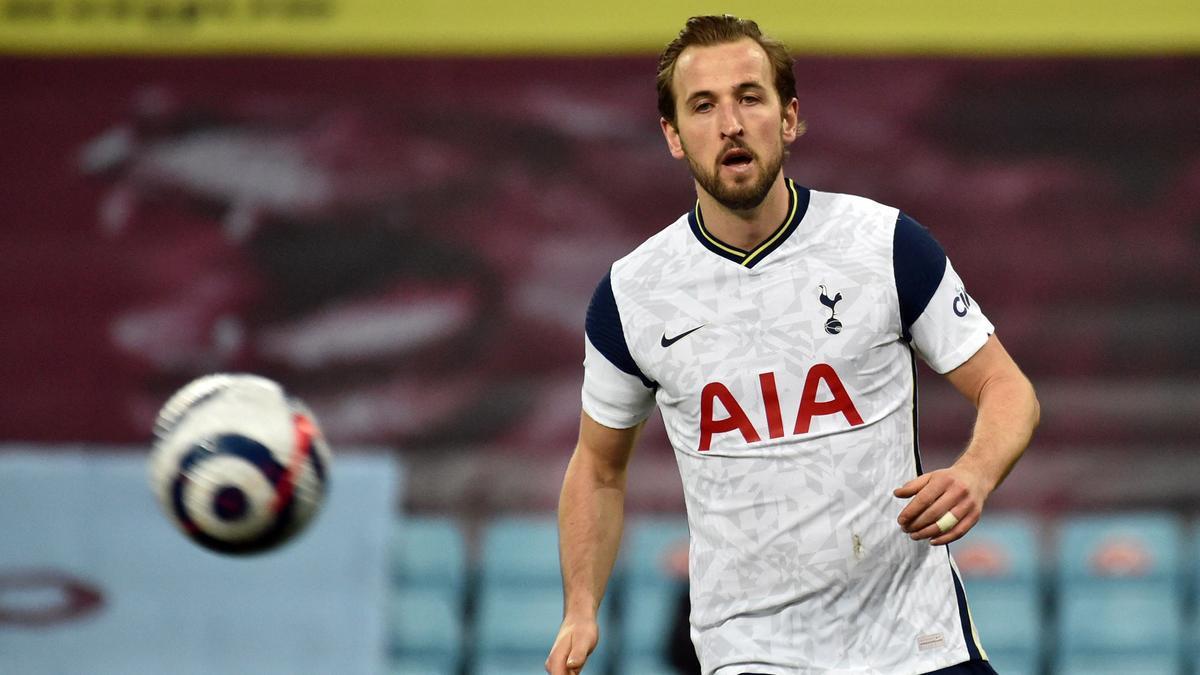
590,518
1008,413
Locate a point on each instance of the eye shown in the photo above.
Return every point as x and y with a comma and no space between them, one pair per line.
751,99
703,106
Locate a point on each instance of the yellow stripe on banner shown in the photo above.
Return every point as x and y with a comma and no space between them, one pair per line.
487,27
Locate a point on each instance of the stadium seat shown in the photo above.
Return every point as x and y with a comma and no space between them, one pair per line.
650,590
1009,621
647,615
646,666
1000,549
1002,576
428,552
1121,622
1020,662
515,628
1147,664
521,551
648,543
1141,547
1121,593
425,629
507,667
416,666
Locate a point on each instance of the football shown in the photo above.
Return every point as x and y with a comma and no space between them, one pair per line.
237,464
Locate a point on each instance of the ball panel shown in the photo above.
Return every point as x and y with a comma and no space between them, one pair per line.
237,464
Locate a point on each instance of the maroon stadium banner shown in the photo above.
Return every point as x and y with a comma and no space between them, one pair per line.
410,244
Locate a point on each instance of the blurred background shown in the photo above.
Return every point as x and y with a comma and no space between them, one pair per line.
400,209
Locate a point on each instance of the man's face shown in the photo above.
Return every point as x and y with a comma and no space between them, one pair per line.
729,122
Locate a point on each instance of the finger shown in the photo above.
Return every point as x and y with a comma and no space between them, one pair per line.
955,533
912,487
578,656
945,502
556,663
929,494
934,529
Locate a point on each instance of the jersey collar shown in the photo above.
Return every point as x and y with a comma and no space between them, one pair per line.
797,206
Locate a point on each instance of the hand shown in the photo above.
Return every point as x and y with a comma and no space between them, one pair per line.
575,642
956,491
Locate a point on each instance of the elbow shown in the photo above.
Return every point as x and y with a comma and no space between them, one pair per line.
1035,408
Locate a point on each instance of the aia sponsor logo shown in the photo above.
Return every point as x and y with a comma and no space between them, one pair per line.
737,420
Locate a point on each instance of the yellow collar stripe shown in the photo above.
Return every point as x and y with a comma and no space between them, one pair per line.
713,240
782,228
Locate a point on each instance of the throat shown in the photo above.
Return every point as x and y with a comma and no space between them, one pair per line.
749,229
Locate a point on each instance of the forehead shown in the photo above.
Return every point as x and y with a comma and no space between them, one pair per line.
720,67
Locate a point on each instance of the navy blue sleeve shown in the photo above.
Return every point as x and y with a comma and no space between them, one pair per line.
919,263
604,330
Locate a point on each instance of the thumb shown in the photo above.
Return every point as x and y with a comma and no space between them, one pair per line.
580,649
576,659
912,487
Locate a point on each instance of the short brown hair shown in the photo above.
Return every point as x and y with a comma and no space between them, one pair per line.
704,31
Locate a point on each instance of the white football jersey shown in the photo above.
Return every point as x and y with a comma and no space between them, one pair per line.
786,378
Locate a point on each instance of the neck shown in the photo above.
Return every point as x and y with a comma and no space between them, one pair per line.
745,229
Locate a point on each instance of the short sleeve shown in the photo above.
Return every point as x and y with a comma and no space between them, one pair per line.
938,317
615,391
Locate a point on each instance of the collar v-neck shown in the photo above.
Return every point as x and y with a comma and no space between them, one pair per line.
797,206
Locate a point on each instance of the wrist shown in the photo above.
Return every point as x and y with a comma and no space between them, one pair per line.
979,473
581,609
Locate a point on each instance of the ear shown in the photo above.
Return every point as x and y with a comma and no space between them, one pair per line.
674,143
792,127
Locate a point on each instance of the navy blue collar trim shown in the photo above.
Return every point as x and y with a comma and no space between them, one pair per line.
798,197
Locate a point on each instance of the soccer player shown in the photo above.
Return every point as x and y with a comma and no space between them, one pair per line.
777,329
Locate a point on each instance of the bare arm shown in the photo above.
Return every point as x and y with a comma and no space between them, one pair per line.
1007,414
591,512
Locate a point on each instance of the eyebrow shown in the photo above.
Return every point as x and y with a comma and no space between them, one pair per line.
744,86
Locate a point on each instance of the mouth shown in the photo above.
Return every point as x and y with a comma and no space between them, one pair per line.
737,158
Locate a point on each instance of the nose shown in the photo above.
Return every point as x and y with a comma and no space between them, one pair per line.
731,123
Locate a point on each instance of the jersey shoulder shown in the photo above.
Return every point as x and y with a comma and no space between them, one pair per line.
665,248
853,212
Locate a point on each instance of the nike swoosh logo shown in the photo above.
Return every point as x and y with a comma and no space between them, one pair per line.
667,342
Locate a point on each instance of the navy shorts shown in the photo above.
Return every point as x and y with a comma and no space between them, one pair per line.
965,668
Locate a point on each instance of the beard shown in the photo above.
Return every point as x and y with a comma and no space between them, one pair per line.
737,197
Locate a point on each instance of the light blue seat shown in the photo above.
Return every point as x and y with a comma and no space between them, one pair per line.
648,613
650,590
647,666
1120,593
1009,619
1001,569
1146,664
1117,621
1139,547
516,627
521,551
1001,548
425,629
1019,662
510,667
648,543
428,552
419,666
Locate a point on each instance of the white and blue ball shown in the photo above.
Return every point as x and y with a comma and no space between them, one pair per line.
238,465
